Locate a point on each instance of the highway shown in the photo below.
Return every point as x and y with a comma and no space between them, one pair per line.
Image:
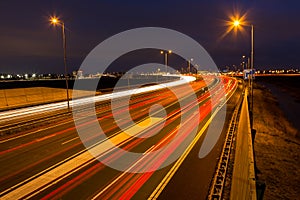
43,156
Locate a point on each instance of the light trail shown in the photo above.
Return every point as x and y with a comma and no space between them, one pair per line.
129,182
6,115
125,189
138,182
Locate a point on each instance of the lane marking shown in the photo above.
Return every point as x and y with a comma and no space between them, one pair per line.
44,175
155,146
43,129
69,140
57,172
158,190
100,98
148,150
61,170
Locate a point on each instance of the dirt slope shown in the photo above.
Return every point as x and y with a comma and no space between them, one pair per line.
277,148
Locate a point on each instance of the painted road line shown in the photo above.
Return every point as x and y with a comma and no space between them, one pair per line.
84,156
108,96
69,140
176,166
47,128
148,150
47,178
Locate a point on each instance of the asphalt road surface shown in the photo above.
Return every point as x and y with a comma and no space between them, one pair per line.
48,159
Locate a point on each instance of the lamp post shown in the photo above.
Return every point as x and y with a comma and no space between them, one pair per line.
166,58
55,21
237,24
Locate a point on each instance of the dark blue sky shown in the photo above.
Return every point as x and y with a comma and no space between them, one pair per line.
29,44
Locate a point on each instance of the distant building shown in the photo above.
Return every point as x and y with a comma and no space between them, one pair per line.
78,74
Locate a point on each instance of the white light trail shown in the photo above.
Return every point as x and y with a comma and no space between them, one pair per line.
22,112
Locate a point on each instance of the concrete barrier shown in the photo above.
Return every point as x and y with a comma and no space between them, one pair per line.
243,184
21,97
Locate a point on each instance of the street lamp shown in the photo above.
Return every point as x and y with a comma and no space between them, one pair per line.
166,58
243,64
189,65
238,23
197,68
55,21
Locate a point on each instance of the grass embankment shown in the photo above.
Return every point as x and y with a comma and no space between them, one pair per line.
277,148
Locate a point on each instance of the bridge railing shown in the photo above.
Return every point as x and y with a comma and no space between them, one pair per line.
243,184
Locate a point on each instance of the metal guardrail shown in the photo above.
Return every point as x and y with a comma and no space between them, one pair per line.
243,184
218,182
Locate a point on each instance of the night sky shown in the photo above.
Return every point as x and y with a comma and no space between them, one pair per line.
29,44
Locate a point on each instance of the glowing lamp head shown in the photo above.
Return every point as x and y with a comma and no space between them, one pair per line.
169,51
54,20
236,23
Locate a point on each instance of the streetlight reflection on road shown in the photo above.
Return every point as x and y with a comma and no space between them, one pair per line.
55,21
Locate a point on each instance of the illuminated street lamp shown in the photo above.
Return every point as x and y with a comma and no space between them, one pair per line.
236,23
55,21
243,62
239,23
189,65
166,58
197,68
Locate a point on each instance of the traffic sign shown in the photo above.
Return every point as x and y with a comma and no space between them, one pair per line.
249,74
